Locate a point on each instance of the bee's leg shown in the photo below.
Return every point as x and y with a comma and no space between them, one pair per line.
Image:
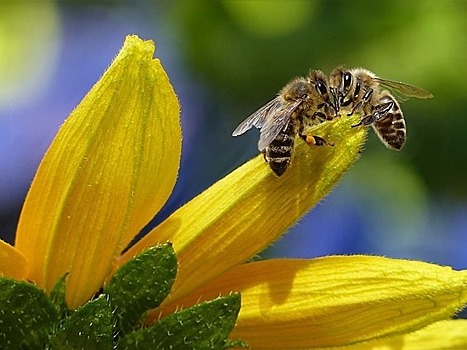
365,99
335,101
324,113
264,155
380,111
354,108
321,116
313,140
366,120
317,141
345,103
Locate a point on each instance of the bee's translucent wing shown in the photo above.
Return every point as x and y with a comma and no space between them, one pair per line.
258,118
270,119
405,89
275,122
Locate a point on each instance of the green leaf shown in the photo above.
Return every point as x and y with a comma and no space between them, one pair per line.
141,284
57,296
203,326
26,315
90,327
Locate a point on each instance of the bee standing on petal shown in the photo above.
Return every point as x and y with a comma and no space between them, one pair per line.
361,90
306,102
302,102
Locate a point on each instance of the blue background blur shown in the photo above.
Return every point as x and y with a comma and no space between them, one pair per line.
226,59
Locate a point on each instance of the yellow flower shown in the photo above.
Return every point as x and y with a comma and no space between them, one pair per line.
113,165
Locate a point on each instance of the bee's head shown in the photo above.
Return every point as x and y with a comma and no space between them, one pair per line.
322,92
297,90
340,80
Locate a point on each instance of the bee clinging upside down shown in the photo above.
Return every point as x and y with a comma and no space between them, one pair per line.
302,102
359,89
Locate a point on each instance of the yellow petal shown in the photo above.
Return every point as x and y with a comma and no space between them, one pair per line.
12,263
334,301
247,210
108,171
446,335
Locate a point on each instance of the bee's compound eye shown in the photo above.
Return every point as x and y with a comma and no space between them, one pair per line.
321,87
347,78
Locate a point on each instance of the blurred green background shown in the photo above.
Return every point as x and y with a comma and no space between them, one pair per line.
228,58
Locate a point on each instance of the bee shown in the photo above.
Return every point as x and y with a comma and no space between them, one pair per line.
302,102
359,89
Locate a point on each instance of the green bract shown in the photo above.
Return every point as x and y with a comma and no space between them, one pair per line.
31,319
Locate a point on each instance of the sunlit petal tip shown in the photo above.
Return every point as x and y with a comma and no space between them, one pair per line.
446,335
333,301
12,262
110,168
248,209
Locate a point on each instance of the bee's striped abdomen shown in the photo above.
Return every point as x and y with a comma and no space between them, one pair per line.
279,153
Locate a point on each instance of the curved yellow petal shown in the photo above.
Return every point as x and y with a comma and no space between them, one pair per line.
12,263
446,335
334,301
110,168
247,210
